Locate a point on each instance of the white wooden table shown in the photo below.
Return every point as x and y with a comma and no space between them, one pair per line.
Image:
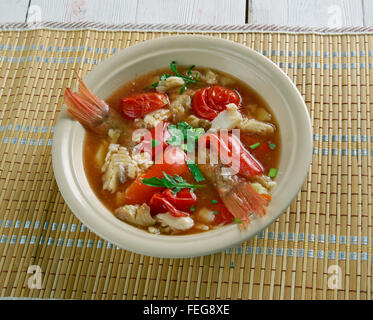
318,13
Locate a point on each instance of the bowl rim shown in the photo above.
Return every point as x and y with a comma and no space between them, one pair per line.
64,177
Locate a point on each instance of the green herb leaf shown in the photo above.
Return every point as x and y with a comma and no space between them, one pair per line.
189,72
175,190
237,220
184,131
198,133
175,183
255,145
184,126
187,79
195,170
192,208
173,67
178,178
177,136
272,146
215,212
155,143
272,173
182,89
214,201
153,182
164,76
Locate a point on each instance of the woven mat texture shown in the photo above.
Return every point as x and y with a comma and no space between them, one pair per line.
320,248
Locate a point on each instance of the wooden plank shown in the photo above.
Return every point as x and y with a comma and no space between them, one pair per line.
216,12
13,11
109,11
318,13
144,11
368,12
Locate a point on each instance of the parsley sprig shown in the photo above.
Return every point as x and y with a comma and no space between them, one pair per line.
188,78
174,183
184,131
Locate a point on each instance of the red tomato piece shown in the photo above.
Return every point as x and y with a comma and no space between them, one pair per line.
183,200
172,162
208,102
139,105
159,204
261,150
222,216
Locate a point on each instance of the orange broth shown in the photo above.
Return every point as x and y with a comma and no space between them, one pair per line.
142,84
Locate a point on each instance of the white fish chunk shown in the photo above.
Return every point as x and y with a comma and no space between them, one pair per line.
265,181
153,118
119,165
179,106
196,122
169,83
206,215
259,188
263,115
114,135
255,126
228,119
101,153
175,223
136,215
154,230
202,226
209,77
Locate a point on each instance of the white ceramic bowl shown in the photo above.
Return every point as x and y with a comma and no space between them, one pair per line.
251,67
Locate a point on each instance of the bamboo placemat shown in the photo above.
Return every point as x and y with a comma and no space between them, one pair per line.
329,224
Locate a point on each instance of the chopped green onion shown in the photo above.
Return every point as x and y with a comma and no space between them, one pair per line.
237,220
155,143
192,208
195,170
255,145
272,173
272,146
215,212
214,201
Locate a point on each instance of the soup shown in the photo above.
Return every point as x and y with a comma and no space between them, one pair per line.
180,150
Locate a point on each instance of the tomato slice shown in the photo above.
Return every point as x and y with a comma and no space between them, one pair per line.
222,216
159,204
208,102
139,105
156,140
172,162
182,200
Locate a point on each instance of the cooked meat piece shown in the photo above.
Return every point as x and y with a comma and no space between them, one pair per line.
136,215
175,223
